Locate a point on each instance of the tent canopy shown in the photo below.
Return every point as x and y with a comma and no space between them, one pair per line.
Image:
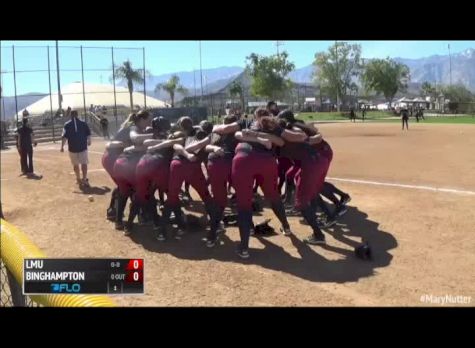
96,94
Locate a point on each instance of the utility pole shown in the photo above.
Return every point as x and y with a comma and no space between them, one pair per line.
450,64
60,97
338,80
201,75
194,83
277,45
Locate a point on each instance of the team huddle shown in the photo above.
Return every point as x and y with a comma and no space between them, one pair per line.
271,151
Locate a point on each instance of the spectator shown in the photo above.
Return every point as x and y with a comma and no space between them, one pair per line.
272,108
3,133
352,115
24,144
105,127
78,136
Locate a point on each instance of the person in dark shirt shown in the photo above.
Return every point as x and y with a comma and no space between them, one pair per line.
310,176
220,160
105,127
153,168
25,141
124,170
272,108
255,160
352,115
78,136
186,167
405,119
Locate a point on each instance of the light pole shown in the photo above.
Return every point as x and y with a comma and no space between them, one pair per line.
338,82
277,44
201,74
450,64
60,97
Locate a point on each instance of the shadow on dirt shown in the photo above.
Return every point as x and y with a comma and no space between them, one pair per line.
309,266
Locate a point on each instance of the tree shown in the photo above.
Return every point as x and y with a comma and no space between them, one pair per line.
126,73
385,76
172,86
269,74
428,90
457,94
236,89
335,69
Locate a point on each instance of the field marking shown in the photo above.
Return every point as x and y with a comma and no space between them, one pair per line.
91,171
417,187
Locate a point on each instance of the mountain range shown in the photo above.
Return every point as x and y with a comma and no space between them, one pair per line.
434,69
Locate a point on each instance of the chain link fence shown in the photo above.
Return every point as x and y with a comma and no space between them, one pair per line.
11,292
47,79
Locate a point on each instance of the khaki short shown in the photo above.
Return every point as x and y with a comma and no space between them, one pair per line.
78,158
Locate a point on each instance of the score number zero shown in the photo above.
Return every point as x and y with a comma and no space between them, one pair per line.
122,276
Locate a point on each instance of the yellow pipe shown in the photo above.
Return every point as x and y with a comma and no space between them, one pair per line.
15,247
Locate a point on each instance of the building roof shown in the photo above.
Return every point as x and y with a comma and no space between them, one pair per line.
96,94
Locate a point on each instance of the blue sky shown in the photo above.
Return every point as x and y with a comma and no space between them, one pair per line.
171,56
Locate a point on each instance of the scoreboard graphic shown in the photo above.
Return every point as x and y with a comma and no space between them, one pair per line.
83,276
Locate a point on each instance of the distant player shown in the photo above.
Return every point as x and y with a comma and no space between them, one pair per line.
352,115
405,119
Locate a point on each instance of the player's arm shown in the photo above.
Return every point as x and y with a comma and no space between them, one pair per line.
137,138
114,144
180,150
244,136
152,142
315,139
293,136
212,148
135,148
274,139
223,129
164,144
195,147
216,149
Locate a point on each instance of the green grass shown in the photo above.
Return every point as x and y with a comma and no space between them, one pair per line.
328,116
376,116
440,119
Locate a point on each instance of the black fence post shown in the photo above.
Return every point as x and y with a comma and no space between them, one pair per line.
83,89
14,84
50,96
115,96
144,78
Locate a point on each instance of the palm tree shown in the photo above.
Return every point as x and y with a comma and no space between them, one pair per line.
236,90
172,86
125,72
428,90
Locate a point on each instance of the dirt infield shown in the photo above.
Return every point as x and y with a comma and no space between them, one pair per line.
423,240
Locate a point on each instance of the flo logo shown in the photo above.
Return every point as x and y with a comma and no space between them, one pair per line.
65,288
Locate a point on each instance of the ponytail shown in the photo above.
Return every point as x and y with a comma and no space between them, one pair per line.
129,121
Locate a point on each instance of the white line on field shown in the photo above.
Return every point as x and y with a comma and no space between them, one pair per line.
417,187
91,171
